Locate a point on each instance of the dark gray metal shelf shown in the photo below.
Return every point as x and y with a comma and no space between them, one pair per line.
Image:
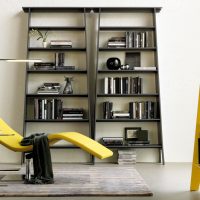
127,120
56,120
127,71
56,49
95,9
57,71
127,49
57,95
127,95
58,28
126,28
135,146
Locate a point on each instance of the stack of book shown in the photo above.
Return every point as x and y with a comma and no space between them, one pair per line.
139,39
47,109
126,157
144,110
117,42
49,88
43,66
112,141
123,85
72,113
60,44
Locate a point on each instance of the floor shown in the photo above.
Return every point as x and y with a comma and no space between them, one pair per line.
169,182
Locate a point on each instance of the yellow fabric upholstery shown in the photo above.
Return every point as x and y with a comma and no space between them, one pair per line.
12,140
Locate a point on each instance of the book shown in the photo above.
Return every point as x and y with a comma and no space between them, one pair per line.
145,68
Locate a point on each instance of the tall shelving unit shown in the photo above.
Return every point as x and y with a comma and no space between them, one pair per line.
97,126
32,74
102,71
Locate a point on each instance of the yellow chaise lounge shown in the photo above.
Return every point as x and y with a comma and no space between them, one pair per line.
11,139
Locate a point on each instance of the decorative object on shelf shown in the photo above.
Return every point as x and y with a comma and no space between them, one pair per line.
113,63
68,86
40,35
131,133
133,59
136,136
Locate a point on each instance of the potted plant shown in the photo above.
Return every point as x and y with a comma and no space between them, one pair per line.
40,35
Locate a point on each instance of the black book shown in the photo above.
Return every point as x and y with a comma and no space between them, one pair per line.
117,85
40,108
50,64
125,85
139,85
36,109
49,109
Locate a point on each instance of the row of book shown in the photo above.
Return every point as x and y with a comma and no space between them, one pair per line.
126,157
122,85
47,108
139,39
137,110
133,39
53,109
144,110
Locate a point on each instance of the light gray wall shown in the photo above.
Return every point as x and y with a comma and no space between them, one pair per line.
178,43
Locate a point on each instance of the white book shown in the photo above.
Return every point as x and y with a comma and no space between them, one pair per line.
42,108
106,85
53,108
112,85
145,68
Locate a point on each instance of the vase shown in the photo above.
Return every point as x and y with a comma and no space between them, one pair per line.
68,86
44,44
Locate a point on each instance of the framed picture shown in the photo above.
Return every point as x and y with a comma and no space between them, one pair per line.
131,133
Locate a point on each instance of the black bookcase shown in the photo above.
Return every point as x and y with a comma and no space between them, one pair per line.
37,52
94,95
106,31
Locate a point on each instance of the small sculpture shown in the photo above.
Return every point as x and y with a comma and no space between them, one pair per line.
68,86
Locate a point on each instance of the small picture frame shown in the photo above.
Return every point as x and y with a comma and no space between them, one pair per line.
131,133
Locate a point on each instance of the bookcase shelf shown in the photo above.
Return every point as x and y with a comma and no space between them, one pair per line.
57,95
57,71
56,49
127,49
56,120
127,28
126,71
127,95
58,28
127,120
136,146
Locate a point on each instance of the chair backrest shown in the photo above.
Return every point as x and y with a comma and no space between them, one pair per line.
8,137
